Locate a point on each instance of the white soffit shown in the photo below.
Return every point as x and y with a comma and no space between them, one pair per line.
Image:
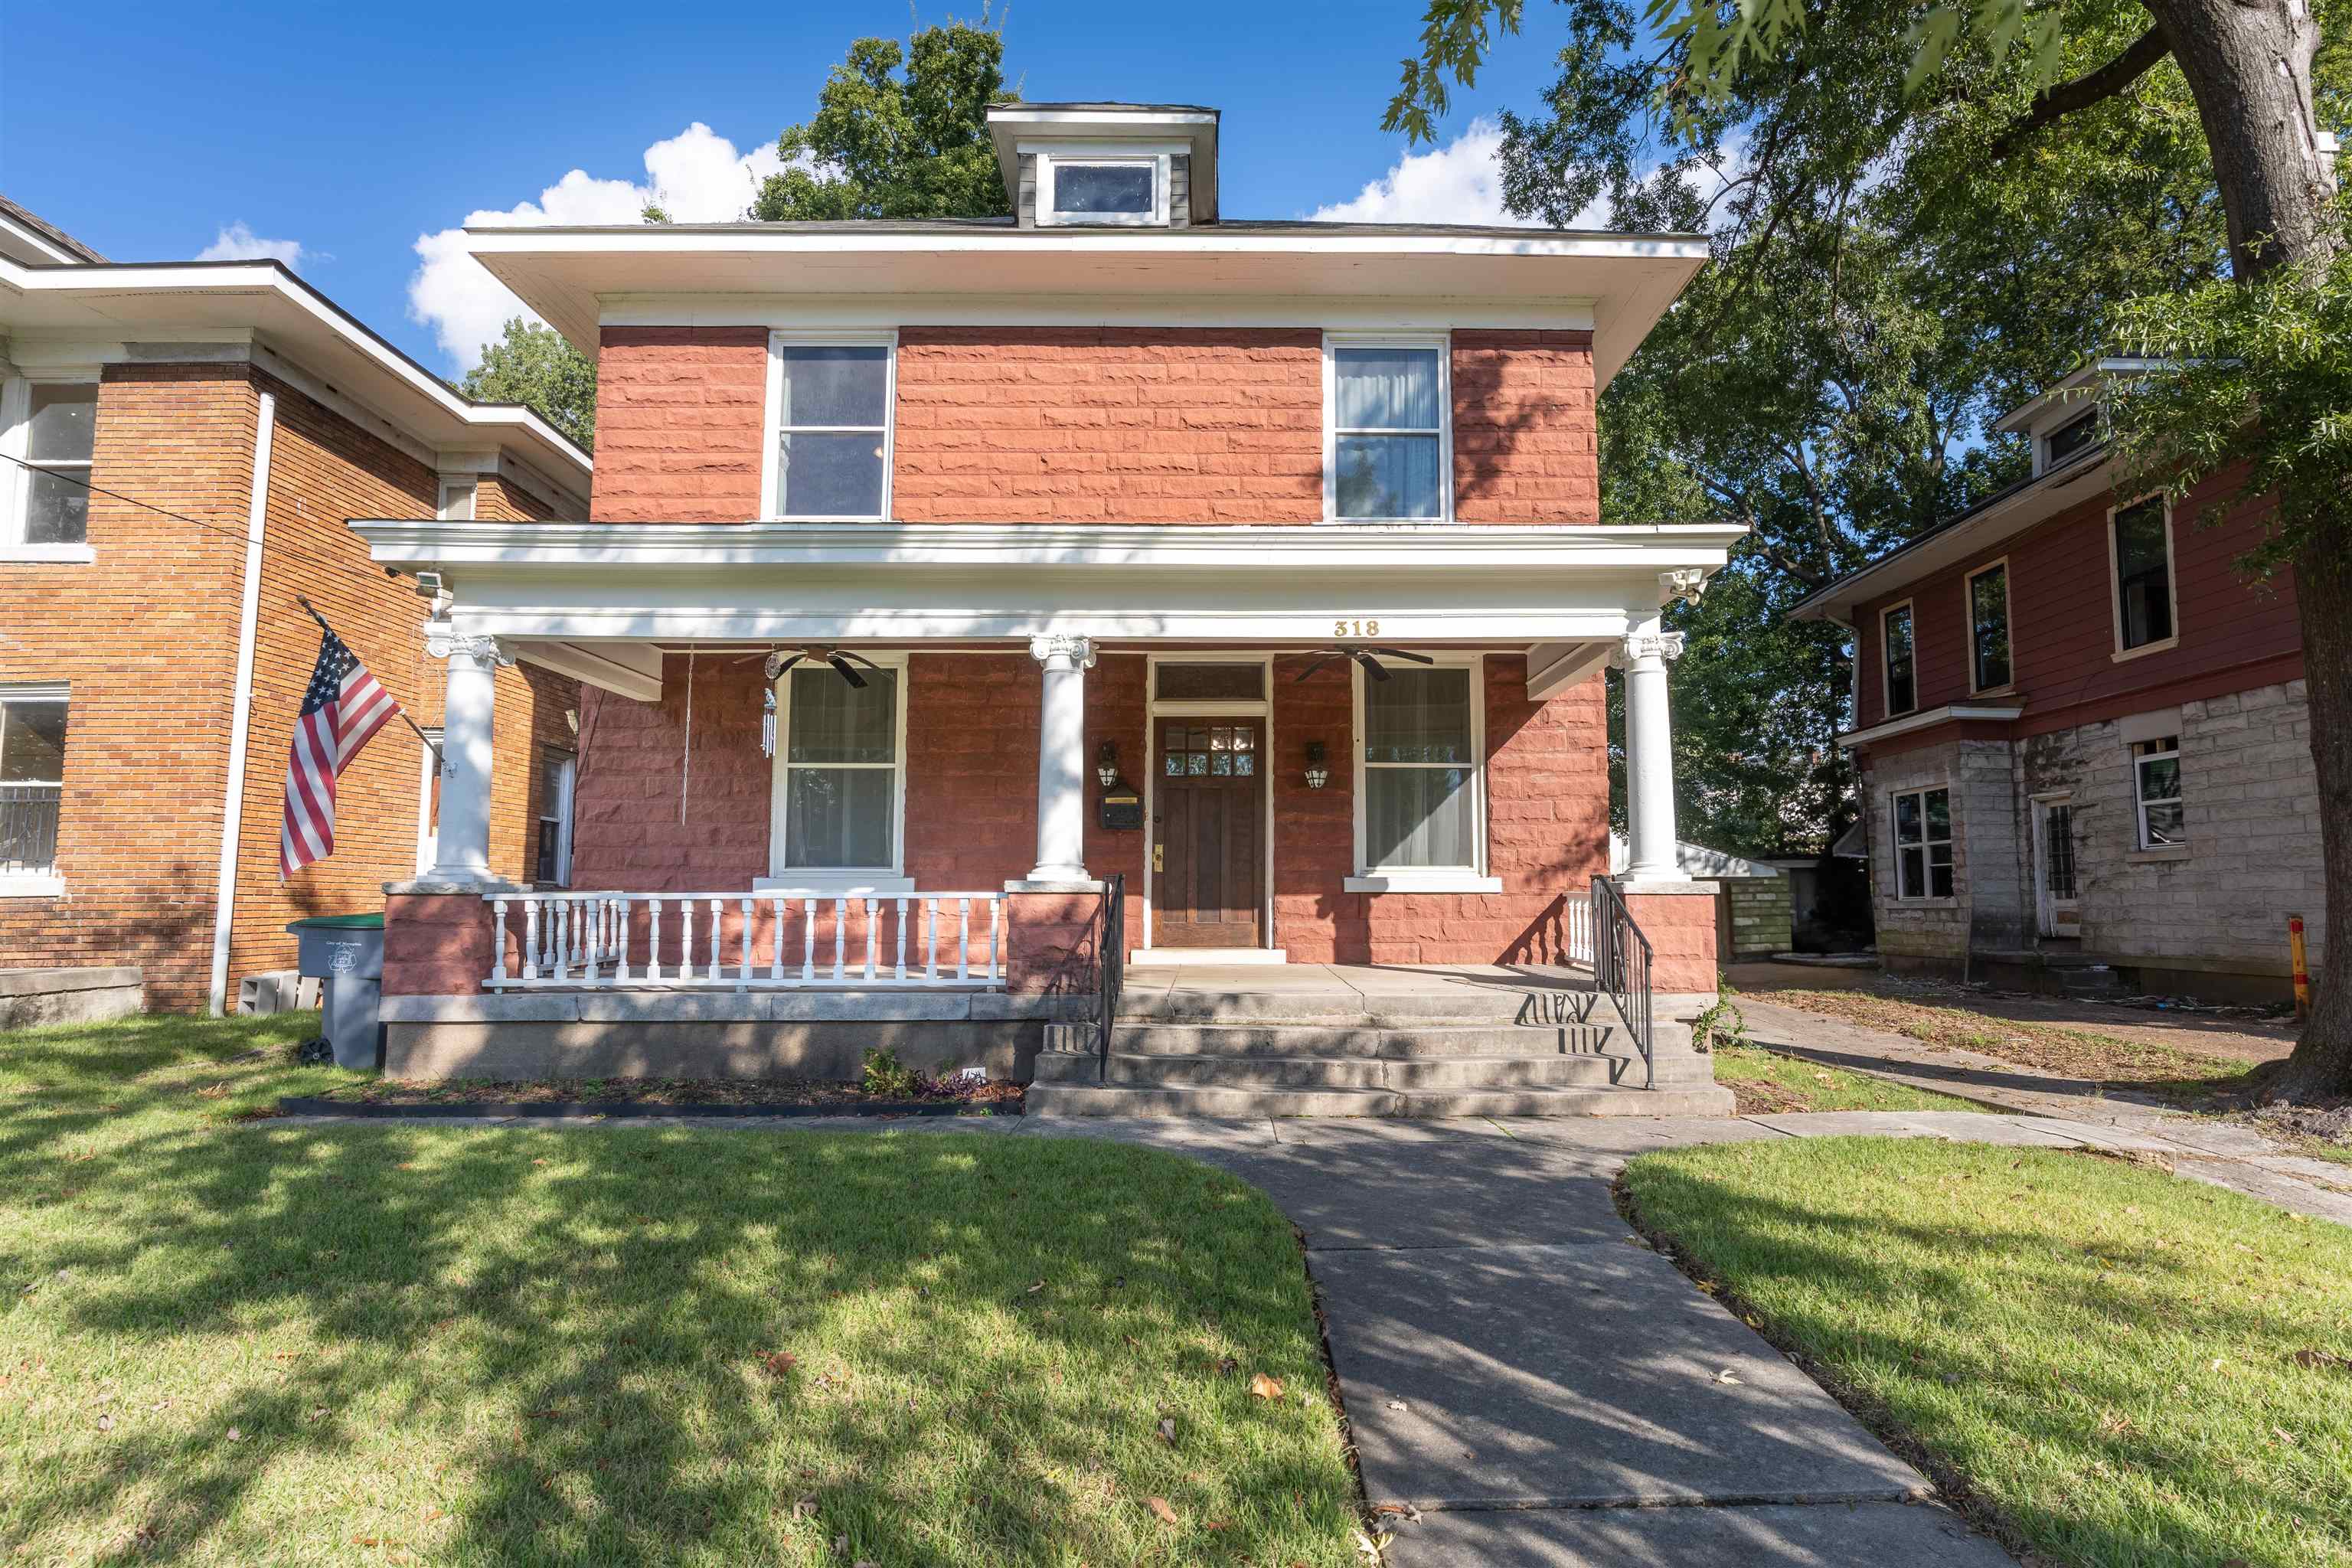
570,275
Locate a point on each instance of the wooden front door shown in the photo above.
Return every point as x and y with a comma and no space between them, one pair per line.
1208,883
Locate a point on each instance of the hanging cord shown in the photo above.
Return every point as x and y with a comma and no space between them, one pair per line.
685,774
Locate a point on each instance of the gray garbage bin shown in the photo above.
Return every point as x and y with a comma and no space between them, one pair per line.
345,954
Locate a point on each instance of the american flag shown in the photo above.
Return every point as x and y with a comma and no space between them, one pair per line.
342,709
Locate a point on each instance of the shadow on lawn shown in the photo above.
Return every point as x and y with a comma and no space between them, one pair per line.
572,1325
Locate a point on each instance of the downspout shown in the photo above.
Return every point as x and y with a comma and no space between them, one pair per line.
240,721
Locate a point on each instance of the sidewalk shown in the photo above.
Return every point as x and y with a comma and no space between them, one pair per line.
2201,1148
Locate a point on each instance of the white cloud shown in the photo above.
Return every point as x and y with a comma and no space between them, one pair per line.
237,242
1461,182
697,176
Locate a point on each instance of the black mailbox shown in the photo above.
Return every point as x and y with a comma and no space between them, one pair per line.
1121,808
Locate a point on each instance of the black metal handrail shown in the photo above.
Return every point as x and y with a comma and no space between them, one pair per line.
1621,966
1110,965
29,826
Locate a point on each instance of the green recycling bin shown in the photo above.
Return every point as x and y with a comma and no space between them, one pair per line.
345,954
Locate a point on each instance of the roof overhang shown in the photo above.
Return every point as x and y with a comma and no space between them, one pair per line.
2073,388
1008,124
571,276
2021,508
142,301
1428,583
1928,719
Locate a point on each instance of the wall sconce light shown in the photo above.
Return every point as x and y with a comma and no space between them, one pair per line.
1107,764
1318,772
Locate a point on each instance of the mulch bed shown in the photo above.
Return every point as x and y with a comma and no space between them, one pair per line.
643,1097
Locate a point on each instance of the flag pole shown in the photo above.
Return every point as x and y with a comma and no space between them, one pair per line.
430,743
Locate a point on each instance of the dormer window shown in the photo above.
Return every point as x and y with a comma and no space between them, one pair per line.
1104,188
2076,435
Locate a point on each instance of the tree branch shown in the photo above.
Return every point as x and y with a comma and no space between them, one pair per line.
2053,103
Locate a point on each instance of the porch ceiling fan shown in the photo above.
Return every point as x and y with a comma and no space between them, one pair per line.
839,659
1363,655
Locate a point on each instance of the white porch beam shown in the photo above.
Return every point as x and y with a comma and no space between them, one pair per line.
1556,667
626,670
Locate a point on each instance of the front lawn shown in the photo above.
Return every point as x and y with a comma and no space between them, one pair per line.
227,1342
2115,1366
1766,1082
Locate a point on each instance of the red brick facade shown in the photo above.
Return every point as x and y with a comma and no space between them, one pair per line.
1525,446
146,637
679,419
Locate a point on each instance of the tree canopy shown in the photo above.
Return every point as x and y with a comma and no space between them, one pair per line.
887,143
531,364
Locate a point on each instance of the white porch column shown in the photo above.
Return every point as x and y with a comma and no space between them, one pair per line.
1061,758
463,850
1650,759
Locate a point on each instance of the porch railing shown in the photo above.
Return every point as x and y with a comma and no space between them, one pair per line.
1578,920
772,940
1110,962
1621,966
29,826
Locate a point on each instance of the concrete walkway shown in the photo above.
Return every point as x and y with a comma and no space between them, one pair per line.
2202,1148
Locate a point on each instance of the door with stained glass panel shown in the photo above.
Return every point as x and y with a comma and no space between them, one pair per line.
1208,885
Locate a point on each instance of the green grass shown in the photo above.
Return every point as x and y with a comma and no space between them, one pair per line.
1767,1081
239,1343
2124,1368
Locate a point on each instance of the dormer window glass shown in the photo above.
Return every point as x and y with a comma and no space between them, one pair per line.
2076,435
1088,187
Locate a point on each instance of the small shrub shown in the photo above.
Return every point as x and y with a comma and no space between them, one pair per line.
888,1077
1723,1024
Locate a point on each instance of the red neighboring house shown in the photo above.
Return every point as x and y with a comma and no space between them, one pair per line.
180,443
2083,738
939,572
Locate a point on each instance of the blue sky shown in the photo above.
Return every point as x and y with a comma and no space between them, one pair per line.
353,132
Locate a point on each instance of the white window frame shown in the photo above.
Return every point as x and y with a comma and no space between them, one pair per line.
1927,894
2115,582
1471,878
1444,343
1968,609
561,815
460,498
1156,156
39,884
1886,660
428,830
837,879
16,480
2042,442
771,470
2141,800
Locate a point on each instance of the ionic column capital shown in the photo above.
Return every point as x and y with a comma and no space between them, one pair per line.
1661,646
443,640
1050,645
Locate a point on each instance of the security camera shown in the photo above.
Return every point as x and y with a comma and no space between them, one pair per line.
429,586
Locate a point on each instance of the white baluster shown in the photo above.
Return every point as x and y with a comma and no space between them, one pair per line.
931,950
620,941
558,915
715,949
871,905
808,941
963,939
995,919
901,970
840,934
594,910
776,913
531,939
686,939
653,937
747,944
499,953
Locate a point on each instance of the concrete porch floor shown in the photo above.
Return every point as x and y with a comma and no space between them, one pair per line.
1368,983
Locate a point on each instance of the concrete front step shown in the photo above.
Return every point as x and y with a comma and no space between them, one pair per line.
1335,1009
1341,1040
1110,1100
1463,1072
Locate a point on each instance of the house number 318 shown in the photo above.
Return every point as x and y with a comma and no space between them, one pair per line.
1355,628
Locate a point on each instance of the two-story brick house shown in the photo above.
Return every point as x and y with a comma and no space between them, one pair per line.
180,444
938,570
2082,736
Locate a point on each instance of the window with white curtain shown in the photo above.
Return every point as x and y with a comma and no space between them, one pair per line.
830,410
841,765
1421,771
1387,452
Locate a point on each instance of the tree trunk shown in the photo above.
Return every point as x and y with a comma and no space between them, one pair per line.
2248,63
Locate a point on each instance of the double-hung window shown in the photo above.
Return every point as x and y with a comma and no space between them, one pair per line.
2141,542
840,777
1902,683
552,846
51,427
1923,843
829,409
1387,445
2156,792
32,782
1421,737
1988,666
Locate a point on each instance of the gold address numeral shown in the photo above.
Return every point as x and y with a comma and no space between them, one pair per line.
1355,628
